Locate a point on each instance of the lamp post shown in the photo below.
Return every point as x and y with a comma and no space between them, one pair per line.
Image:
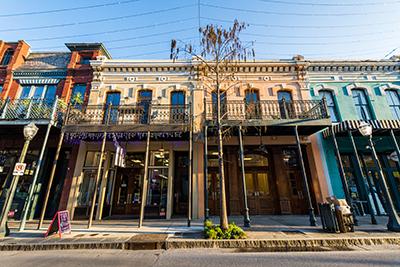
394,220
30,131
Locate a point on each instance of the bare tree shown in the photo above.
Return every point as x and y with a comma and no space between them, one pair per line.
220,51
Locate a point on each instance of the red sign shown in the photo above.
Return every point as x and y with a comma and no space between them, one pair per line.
60,224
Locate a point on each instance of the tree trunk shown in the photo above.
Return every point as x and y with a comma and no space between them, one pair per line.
224,211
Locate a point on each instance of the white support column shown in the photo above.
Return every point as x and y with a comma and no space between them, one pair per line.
170,192
103,187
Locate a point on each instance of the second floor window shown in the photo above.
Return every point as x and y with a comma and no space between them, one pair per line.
78,94
393,99
46,93
330,103
7,57
361,103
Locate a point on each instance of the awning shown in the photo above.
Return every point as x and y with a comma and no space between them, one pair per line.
353,125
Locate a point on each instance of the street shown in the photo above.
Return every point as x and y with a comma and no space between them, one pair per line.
202,257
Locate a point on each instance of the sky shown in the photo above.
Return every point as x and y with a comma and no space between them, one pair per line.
143,29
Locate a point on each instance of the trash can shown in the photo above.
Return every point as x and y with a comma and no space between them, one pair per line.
328,218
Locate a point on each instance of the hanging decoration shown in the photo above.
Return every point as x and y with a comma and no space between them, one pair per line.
75,138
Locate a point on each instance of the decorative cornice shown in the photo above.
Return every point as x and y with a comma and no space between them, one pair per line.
38,81
53,74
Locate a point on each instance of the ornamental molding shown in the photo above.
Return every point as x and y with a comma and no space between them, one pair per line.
53,74
366,87
387,86
38,81
320,87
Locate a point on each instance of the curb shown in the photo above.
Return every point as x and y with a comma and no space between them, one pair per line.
265,245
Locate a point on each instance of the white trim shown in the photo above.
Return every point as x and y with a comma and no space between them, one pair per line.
388,86
364,87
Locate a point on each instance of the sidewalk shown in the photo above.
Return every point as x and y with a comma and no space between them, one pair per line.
272,232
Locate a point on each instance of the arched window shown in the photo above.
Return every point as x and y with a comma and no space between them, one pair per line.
285,107
177,106
393,99
360,101
330,103
252,99
7,56
223,99
285,95
144,101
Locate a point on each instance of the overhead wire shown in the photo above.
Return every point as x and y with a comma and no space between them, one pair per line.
67,9
358,4
97,20
314,14
110,32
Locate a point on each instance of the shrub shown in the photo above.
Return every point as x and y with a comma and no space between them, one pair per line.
212,231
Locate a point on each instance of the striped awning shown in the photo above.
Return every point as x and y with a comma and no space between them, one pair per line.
345,126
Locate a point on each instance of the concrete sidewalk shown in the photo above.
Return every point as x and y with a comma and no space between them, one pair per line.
275,233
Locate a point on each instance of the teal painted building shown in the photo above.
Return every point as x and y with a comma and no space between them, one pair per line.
357,91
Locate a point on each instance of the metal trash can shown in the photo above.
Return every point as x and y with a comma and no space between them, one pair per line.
328,218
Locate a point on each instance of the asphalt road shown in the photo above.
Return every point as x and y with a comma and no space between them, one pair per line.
197,257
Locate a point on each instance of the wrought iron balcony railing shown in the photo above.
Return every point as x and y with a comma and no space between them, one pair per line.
33,110
144,113
268,110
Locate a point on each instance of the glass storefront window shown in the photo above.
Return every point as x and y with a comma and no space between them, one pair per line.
159,158
346,161
255,160
158,185
86,188
212,158
92,159
134,160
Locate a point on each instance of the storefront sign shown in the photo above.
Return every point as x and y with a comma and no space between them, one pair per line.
60,224
19,168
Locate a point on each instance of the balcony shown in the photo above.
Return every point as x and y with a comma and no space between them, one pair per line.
269,112
135,117
39,111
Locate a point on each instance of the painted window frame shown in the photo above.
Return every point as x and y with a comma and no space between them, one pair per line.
32,91
332,107
7,56
365,111
394,108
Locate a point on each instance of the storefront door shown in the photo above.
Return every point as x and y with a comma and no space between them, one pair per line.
259,196
127,192
181,183
213,192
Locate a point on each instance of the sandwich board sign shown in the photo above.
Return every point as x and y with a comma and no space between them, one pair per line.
60,224
19,168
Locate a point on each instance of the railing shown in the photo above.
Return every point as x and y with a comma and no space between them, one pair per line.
268,110
143,113
33,110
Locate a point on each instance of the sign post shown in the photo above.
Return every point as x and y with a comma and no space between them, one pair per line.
60,224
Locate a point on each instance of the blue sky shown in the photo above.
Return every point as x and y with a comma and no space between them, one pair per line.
143,29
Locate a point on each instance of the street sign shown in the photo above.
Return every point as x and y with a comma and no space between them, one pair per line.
19,168
60,224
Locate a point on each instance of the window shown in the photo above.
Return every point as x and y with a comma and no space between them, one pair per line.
393,99
285,107
361,104
177,106
144,101
85,60
7,56
285,95
330,102
178,98
78,94
1,88
39,92
252,99
214,99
